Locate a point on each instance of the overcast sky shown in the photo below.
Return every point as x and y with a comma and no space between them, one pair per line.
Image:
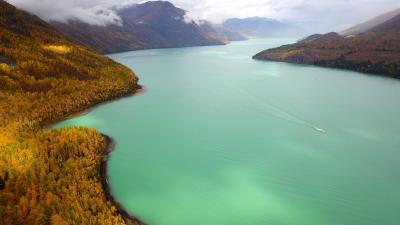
328,14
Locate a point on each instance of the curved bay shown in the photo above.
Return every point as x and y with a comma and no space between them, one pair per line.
218,138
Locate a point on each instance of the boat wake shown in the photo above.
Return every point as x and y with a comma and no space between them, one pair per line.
280,113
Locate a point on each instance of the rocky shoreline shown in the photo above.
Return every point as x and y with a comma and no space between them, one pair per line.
129,219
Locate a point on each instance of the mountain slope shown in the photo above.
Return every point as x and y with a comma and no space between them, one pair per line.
156,24
363,27
52,176
106,40
374,51
220,32
391,26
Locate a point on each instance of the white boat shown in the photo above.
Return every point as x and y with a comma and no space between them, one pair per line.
320,130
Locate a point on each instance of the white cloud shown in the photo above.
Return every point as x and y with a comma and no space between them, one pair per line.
334,12
330,14
96,12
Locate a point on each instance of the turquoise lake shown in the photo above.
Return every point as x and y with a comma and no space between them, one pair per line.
220,139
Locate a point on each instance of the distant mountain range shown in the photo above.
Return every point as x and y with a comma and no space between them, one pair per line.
259,27
220,32
375,50
154,24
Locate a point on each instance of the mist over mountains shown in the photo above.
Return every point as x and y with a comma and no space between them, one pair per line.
113,27
321,15
160,24
259,27
363,27
155,24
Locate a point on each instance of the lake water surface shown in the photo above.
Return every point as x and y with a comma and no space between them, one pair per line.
220,139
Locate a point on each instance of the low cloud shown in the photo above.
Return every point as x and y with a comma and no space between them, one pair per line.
95,12
318,14
327,12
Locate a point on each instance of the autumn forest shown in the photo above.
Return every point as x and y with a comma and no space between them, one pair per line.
52,176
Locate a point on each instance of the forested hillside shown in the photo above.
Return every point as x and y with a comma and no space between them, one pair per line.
51,176
374,51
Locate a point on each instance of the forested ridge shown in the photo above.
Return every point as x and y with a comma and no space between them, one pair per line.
376,51
51,176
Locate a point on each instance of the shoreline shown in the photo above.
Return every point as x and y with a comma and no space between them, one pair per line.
110,145
49,124
156,48
128,218
348,67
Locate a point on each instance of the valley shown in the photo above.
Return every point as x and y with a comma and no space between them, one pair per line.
240,116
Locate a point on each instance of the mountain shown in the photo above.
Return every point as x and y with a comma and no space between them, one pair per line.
259,27
52,176
363,27
220,32
377,50
154,24
391,26
311,38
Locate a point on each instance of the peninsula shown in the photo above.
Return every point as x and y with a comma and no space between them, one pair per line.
373,51
52,176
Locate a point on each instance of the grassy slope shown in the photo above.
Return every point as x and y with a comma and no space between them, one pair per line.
52,176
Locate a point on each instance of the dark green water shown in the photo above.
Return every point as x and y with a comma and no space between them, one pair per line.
220,139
